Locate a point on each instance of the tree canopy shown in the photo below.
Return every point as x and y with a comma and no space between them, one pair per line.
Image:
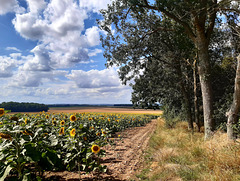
24,107
160,44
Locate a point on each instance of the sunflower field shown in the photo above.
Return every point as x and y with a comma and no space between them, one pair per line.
31,144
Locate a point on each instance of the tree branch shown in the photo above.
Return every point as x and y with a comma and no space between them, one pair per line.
212,21
172,16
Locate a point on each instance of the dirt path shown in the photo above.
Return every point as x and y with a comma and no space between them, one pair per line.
122,160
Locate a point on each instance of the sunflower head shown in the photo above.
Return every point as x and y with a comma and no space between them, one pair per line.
104,132
2,111
5,136
47,117
98,134
62,123
27,133
54,122
73,118
61,132
95,149
85,138
25,120
72,132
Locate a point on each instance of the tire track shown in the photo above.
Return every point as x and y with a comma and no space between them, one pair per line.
125,158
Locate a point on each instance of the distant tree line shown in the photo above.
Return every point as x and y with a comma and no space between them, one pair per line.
24,107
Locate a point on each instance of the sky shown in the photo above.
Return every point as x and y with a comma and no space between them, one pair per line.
50,53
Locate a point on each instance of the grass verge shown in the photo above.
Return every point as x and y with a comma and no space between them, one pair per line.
178,154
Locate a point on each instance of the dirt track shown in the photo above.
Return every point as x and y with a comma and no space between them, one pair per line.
122,160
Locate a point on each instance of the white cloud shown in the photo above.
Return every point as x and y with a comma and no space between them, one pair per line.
36,5
10,6
94,52
7,64
40,61
13,48
93,37
59,29
95,78
26,78
93,5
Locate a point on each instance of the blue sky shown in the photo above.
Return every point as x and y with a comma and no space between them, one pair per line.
50,52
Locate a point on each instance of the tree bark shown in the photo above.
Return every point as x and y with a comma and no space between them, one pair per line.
232,114
206,86
186,98
188,108
196,106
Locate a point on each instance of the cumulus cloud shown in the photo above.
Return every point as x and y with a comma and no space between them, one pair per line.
7,65
95,78
40,61
63,41
93,5
10,6
59,27
94,52
92,35
25,78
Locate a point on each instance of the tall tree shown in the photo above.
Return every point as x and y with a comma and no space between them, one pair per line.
233,113
196,17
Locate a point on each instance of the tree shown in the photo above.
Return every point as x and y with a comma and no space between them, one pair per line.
196,17
233,113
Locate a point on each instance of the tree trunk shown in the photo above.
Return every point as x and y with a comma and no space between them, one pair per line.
232,114
206,85
186,97
196,107
187,107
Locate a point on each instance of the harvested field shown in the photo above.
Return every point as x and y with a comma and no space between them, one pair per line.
102,110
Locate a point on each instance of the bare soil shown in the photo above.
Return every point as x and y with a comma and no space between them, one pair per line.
123,160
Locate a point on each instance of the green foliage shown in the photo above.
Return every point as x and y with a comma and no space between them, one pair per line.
24,107
155,44
32,144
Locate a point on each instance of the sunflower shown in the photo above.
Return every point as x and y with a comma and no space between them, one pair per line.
27,133
54,122
61,132
1,111
44,134
25,120
85,138
47,117
104,132
62,123
98,134
73,118
72,132
5,136
95,149
90,119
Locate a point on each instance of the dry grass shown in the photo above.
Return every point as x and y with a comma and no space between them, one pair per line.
177,154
